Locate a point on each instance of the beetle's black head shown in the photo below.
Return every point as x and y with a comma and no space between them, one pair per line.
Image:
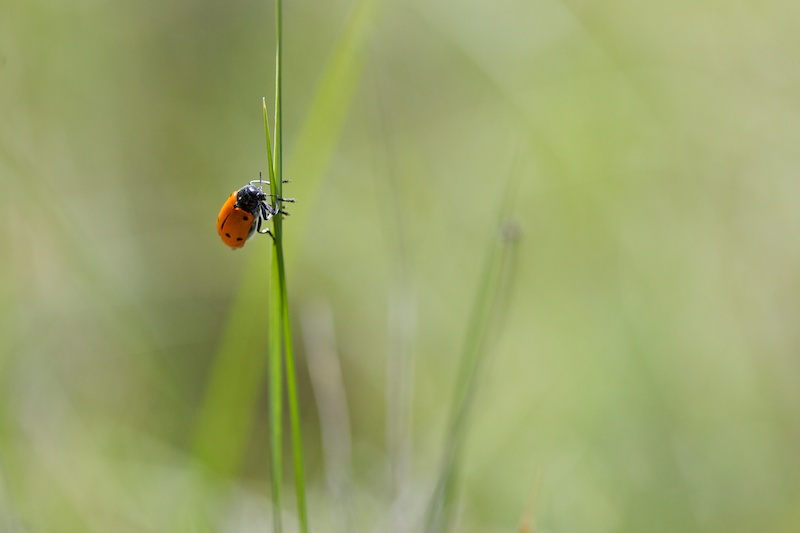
249,198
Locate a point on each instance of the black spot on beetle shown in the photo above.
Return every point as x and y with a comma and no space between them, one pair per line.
238,238
228,235
245,219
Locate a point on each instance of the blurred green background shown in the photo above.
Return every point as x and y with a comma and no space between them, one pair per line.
646,374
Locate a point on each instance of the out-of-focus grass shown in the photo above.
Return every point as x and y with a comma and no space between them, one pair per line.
486,315
646,377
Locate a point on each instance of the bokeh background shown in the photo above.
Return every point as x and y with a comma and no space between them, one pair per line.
644,375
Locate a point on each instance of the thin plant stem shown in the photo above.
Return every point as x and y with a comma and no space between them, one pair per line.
494,285
275,360
280,325
294,418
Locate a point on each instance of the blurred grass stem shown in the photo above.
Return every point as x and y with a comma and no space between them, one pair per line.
490,302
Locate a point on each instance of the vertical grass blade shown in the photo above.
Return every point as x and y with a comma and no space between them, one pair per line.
275,355
280,344
239,366
294,414
276,185
489,302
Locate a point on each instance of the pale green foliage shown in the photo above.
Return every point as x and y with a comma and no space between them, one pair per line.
643,378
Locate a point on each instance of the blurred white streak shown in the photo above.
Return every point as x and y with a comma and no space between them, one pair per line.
319,338
399,389
401,303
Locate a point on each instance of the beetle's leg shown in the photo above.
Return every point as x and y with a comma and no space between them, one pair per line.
275,209
264,215
267,211
260,222
265,230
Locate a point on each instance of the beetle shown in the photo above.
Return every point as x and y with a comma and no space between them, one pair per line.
245,212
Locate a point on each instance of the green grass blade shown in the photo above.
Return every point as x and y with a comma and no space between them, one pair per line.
280,326
276,393
270,157
231,402
275,351
276,184
489,302
294,413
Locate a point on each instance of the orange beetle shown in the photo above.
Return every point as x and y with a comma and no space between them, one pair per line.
244,212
